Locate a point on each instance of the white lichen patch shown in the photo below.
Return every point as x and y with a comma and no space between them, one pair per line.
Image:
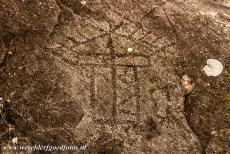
10,52
83,2
15,140
213,67
130,49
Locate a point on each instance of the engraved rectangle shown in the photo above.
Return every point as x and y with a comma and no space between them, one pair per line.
148,84
103,93
126,99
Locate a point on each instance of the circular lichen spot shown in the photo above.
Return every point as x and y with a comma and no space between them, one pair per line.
213,67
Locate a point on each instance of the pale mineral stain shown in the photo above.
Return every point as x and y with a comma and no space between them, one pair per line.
209,13
186,84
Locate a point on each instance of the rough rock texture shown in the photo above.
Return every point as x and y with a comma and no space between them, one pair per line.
66,76
20,16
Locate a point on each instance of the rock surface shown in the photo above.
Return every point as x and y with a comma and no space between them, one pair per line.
68,76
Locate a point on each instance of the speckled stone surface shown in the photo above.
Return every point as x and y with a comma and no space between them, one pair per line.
108,74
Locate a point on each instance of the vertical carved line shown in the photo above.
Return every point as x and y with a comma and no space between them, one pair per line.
113,77
137,93
92,88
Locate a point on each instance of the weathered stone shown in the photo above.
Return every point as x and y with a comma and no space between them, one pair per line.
80,85
21,16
